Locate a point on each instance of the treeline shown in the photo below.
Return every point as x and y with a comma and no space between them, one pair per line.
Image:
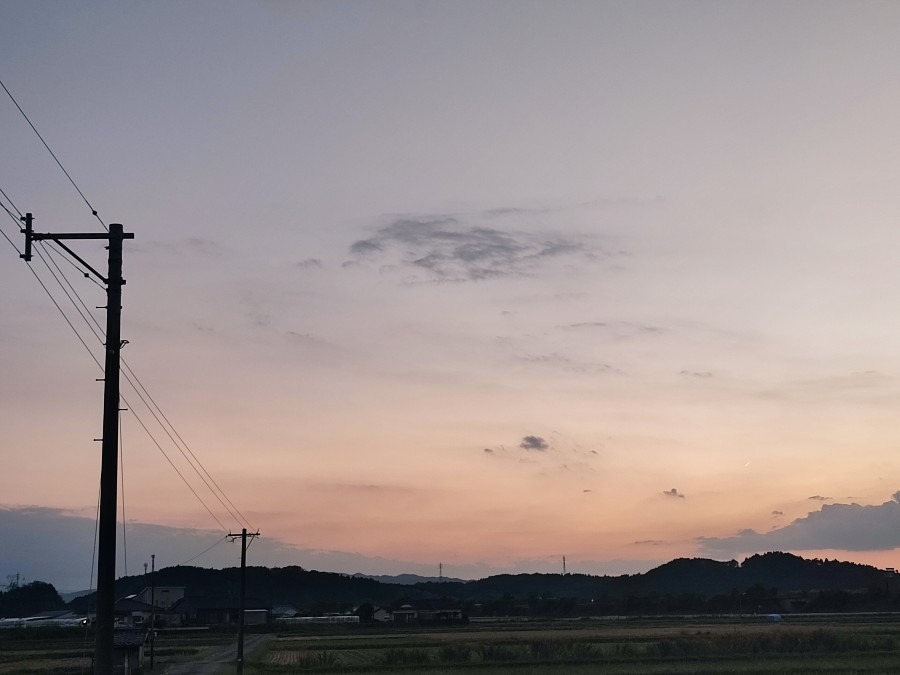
762,583
29,599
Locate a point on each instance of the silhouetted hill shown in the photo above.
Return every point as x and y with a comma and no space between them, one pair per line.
407,579
690,575
695,584
792,573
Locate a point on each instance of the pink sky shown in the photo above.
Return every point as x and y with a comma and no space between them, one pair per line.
381,245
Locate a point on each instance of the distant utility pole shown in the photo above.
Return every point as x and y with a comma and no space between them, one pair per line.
152,605
564,565
106,558
240,647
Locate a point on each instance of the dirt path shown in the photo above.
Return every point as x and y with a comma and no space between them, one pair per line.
213,662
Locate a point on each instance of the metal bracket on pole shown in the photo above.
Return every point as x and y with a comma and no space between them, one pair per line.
28,219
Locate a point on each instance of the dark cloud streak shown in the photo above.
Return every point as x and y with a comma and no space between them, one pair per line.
448,249
534,443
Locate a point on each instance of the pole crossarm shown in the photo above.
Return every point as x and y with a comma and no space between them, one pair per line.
31,236
82,261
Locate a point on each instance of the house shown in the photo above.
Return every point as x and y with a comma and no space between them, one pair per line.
428,612
405,614
213,611
382,614
131,612
164,597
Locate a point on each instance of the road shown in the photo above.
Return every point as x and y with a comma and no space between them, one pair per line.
213,662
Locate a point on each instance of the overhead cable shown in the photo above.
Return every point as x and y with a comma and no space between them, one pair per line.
53,154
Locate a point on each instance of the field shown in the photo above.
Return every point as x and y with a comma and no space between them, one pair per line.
832,644
848,644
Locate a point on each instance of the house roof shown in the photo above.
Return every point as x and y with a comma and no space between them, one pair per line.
129,604
129,637
215,602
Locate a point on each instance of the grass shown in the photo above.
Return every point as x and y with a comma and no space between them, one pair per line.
797,646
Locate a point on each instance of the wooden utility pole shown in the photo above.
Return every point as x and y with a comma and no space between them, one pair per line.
152,607
106,557
240,646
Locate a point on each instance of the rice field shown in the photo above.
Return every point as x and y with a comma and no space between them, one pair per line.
799,645
802,646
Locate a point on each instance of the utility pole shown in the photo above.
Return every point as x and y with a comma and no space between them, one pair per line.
152,606
240,647
106,558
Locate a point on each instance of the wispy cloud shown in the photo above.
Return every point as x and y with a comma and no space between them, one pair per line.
309,263
820,498
192,246
450,248
617,330
866,386
560,362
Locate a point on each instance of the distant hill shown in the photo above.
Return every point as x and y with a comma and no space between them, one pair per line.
682,585
407,579
68,597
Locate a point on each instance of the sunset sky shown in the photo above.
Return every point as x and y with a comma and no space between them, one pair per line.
479,283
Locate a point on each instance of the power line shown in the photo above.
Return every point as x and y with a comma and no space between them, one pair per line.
39,250
52,154
184,443
78,269
91,582
11,202
141,390
204,552
87,316
5,236
84,344
91,353
189,486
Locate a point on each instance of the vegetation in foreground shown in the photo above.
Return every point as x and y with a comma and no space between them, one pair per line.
659,648
849,645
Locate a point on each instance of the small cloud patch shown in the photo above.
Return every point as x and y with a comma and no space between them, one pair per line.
673,493
308,263
534,443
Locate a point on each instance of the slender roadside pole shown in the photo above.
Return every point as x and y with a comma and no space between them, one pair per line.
152,607
240,646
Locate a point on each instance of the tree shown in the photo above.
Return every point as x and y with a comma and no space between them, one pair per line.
365,612
30,599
